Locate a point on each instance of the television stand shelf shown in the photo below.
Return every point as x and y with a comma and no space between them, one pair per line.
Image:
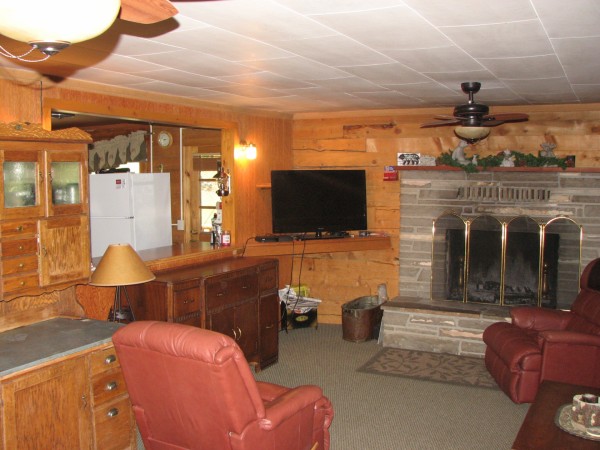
348,244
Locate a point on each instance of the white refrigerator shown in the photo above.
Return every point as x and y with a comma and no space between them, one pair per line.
130,208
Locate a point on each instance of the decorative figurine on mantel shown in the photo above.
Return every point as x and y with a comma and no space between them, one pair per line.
458,154
509,159
547,150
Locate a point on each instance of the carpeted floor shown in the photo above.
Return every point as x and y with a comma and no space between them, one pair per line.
440,367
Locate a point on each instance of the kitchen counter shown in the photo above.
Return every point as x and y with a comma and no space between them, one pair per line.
32,345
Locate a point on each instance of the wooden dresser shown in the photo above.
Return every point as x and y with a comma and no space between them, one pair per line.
61,386
235,296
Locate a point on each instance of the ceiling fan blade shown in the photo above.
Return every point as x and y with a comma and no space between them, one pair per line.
444,117
146,11
491,123
439,123
507,117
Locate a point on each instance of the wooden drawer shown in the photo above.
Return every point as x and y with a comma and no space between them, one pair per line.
108,385
103,360
113,422
19,247
16,283
20,265
267,279
225,291
185,302
18,228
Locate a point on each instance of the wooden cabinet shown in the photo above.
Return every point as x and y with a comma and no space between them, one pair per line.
237,297
75,401
44,223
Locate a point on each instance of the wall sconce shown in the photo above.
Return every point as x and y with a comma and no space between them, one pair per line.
245,151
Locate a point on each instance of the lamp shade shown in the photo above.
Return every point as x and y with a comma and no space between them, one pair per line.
67,21
121,266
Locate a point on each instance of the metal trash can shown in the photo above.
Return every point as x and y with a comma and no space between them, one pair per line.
361,318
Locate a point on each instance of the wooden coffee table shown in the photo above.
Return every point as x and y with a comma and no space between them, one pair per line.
539,431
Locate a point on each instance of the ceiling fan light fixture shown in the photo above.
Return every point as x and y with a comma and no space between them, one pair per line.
472,134
51,26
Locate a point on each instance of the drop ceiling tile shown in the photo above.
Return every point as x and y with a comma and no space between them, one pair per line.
527,67
309,7
224,44
386,73
108,77
502,40
263,20
580,59
336,50
390,99
427,91
438,59
350,84
126,64
449,13
579,19
183,78
559,86
248,91
177,89
297,68
197,63
389,28
267,80
587,92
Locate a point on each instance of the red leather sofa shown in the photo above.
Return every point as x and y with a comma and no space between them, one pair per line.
193,389
546,344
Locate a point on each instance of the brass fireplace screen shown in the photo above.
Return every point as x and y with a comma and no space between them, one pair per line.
506,262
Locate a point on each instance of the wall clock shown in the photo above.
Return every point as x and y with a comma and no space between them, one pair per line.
165,139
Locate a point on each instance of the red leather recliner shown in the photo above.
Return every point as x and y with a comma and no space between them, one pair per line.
193,389
547,344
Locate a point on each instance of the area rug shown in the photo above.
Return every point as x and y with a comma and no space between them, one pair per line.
439,367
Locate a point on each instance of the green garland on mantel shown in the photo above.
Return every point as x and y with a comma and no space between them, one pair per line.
520,160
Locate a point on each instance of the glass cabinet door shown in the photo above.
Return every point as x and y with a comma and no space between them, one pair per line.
20,184
66,182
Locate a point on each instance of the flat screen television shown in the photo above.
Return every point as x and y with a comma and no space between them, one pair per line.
317,201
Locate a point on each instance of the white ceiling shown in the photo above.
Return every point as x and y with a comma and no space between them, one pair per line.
326,55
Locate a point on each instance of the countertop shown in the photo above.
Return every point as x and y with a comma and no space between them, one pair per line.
31,345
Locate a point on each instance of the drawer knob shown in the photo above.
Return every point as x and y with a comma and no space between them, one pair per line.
220,294
22,283
21,265
20,247
189,300
20,228
110,359
112,386
113,412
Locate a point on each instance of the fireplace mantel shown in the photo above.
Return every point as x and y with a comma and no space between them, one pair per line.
504,169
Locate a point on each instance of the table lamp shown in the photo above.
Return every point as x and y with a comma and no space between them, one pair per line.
120,266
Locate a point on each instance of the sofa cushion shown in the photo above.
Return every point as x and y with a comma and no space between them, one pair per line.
586,312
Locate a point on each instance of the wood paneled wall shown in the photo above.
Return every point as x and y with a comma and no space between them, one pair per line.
370,140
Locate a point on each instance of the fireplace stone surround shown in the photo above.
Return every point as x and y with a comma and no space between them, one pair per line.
413,320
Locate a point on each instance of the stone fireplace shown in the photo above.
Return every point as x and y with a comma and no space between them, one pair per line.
565,205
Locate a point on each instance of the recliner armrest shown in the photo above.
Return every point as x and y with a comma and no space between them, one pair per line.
539,319
570,337
288,404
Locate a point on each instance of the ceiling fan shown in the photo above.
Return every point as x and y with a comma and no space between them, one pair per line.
146,11
473,119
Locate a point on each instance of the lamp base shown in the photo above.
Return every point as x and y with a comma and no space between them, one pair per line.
119,313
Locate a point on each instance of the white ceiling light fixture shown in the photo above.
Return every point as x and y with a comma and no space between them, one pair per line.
472,134
52,25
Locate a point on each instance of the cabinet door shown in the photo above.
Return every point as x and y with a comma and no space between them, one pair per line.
269,328
246,326
222,321
50,405
20,193
67,182
64,249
